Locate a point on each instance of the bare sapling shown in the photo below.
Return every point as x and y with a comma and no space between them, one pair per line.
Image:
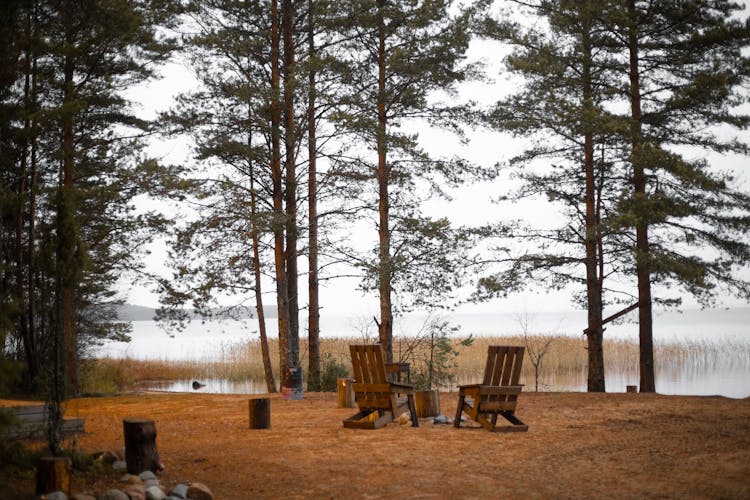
537,347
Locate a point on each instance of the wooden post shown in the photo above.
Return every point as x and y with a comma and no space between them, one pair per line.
427,403
260,413
53,474
140,446
345,388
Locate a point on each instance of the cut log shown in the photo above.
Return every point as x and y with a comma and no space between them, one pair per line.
53,474
140,446
345,388
427,403
260,413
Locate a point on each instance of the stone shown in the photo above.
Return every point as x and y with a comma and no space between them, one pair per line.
56,495
146,475
136,492
199,491
155,493
83,496
114,494
180,491
131,479
120,466
106,457
151,482
440,419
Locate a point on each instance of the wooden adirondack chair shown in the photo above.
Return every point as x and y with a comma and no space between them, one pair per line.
498,393
376,396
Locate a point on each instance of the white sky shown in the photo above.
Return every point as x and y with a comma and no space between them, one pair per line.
340,297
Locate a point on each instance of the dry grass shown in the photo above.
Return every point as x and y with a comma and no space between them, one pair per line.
563,366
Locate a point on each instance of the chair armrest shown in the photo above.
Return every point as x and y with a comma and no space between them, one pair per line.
500,390
398,387
469,386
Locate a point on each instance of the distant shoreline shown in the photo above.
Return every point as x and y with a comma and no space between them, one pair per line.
132,312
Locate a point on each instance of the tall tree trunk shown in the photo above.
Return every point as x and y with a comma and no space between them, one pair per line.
67,239
279,223
313,325
23,319
593,288
287,28
642,256
265,353
31,257
384,234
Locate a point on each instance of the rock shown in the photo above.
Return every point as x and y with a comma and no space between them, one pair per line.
155,493
440,419
180,491
106,457
199,491
404,419
136,492
197,385
83,496
146,475
114,494
120,466
131,479
56,495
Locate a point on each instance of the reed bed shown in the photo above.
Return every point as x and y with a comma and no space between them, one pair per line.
562,367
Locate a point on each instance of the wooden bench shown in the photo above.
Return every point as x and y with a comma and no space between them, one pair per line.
31,422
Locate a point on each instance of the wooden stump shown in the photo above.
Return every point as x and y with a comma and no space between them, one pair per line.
631,388
345,388
140,446
53,474
427,403
260,413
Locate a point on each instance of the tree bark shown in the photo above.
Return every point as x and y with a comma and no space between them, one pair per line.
643,270
593,289
140,446
259,413
282,301
287,28
67,265
53,474
313,325
267,368
29,343
385,270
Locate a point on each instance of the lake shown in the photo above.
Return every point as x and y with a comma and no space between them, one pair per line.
730,377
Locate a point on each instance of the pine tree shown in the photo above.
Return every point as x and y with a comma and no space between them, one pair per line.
685,78
400,54
566,88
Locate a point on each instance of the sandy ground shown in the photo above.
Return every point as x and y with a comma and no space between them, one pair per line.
578,445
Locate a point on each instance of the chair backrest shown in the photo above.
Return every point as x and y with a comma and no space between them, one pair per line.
503,365
368,364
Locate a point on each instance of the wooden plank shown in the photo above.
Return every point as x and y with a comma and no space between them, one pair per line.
489,367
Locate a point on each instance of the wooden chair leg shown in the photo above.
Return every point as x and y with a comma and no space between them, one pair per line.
412,410
459,410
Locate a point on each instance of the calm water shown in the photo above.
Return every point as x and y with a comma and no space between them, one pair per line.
730,377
